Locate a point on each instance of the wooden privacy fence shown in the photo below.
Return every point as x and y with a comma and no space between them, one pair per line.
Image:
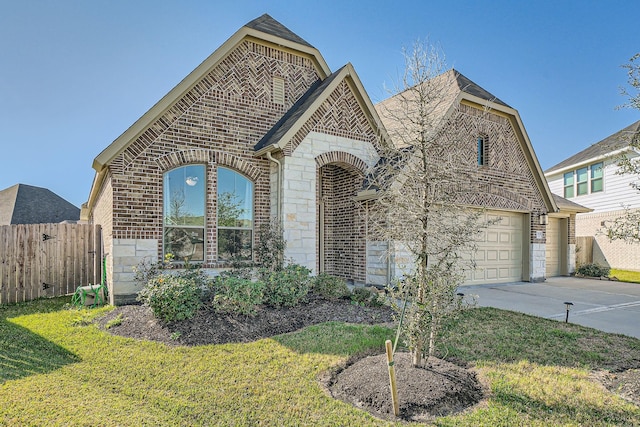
584,250
47,260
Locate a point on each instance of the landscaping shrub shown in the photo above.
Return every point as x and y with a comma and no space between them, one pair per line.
288,286
330,287
593,270
364,296
237,295
172,296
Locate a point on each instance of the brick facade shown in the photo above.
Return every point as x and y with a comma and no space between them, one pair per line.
216,123
307,173
344,236
616,254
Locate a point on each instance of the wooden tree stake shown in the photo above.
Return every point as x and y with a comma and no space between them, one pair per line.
392,378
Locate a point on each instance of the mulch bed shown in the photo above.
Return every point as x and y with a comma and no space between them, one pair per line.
439,389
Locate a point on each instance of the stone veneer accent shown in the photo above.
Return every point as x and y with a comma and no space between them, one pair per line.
377,263
571,258
537,262
300,180
128,253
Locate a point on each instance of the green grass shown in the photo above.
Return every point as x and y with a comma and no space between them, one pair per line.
58,369
625,275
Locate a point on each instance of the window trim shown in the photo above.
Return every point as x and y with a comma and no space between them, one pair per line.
481,150
570,186
202,228
253,214
588,172
597,179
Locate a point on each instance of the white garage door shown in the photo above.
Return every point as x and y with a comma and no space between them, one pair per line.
553,248
499,256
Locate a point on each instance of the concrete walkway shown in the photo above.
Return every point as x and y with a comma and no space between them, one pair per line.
600,304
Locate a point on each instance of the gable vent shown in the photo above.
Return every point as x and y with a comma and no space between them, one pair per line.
278,90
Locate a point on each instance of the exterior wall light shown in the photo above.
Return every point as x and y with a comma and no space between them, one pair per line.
544,219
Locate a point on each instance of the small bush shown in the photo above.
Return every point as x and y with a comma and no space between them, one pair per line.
172,296
288,286
147,269
593,270
330,287
364,296
237,295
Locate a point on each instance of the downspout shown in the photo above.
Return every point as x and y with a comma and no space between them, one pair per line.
279,188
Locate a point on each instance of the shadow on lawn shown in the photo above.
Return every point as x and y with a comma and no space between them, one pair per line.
337,338
23,353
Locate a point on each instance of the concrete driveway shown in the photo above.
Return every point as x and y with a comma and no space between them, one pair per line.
600,304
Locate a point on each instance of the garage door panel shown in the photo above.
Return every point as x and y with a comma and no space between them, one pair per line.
553,252
499,254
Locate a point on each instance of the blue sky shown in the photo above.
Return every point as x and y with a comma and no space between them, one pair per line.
75,74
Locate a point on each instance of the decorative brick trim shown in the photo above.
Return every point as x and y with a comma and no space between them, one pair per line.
241,165
346,160
178,158
339,115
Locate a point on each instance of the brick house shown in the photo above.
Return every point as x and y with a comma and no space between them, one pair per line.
263,129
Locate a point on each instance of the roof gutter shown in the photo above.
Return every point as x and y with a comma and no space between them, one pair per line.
278,187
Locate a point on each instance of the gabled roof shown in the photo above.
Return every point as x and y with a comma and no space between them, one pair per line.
611,145
566,205
266,24
455,89
467,86
25,204
264,28
286,128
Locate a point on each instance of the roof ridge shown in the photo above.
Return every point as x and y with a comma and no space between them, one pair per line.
467,85
266,24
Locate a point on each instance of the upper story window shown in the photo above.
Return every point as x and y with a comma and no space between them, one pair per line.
596,177
235,216
483,141
568,185
586,180
184,213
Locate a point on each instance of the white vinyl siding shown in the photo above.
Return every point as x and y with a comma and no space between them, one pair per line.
616,190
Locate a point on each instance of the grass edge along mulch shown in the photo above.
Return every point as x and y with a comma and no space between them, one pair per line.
538,372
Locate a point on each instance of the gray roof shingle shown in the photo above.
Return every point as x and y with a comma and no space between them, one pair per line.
26,204
467,86
608,145
268,25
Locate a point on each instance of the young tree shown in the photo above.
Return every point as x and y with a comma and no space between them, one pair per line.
421,186
627,227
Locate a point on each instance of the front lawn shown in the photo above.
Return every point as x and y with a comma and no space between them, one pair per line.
57,368
625,275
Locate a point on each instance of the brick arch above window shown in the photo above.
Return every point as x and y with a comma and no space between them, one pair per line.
344,159
179,158
239,164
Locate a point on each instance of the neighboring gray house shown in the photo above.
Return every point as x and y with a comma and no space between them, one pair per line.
591,179
26,204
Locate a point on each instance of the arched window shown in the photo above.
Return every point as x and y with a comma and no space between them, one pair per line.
235,216
184,212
